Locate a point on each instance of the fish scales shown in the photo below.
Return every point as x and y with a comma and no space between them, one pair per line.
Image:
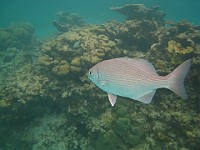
136,79
128,74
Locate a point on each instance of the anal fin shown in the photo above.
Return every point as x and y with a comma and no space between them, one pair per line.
112,99
147,98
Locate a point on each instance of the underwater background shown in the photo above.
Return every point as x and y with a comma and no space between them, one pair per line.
41,13
46,99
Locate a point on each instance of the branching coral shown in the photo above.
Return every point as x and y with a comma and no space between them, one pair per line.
175,47
176,43
23,84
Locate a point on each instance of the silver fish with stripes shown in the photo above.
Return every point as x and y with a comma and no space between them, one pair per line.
136,79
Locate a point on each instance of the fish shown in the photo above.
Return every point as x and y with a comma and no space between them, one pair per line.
76,44
136,78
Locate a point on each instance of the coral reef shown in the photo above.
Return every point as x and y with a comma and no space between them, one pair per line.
178,39
67,21
108,141
61,69
24,84
47,98
61,57
52,133
18,35
175,47
127,132
140,12
91,44
128,124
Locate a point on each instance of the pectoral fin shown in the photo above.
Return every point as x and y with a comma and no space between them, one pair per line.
112,99
147,98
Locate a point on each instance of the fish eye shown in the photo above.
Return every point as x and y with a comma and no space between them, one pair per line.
90,73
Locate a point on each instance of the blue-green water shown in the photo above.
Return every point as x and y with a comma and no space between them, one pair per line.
47,101
41,13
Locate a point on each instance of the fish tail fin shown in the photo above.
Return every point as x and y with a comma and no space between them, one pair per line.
177,77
